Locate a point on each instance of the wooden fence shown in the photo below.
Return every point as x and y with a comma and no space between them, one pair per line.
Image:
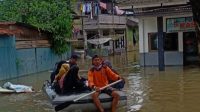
16,61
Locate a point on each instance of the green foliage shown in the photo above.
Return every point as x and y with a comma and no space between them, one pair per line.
50,15
196,10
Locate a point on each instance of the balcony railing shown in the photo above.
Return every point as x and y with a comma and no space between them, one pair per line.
105,21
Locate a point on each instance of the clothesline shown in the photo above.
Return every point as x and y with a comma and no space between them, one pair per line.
94,8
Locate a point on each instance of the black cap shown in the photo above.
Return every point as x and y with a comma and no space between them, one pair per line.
74,56
95,56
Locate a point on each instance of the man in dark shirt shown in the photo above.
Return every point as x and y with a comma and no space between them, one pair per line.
72,81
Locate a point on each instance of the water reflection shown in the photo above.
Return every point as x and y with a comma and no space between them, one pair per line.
136,91
27,102
176,89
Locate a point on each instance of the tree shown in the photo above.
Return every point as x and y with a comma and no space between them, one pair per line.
196,11
53,16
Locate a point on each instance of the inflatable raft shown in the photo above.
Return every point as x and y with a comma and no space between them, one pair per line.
83,105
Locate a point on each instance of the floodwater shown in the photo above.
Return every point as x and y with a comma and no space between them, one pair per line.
177,89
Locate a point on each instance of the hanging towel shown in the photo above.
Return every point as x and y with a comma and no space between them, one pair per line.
83,8
118,11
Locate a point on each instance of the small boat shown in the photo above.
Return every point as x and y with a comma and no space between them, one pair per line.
83,105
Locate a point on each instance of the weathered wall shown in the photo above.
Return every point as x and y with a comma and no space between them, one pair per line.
19,62
7,57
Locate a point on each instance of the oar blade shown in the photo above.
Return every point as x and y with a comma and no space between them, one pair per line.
63,105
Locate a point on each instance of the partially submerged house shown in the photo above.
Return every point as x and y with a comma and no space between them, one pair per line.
104,28
25,49
166,31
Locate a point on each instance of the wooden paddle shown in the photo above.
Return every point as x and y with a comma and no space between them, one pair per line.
67,103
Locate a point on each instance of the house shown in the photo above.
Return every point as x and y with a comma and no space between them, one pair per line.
103,28
166,32
25,49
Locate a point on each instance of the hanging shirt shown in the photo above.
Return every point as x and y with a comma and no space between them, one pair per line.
84,8
89,7
96,9
81,8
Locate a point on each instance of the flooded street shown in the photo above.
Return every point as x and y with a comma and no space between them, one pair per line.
176,89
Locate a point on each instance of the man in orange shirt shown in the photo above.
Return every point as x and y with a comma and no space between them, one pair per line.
99,76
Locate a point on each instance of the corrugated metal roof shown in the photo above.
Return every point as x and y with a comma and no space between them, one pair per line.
146,2
163,11
16,31
9,32
154,7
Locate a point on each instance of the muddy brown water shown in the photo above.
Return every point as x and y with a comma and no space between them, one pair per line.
177,89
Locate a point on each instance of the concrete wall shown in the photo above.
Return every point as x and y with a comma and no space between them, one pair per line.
171,59
129,35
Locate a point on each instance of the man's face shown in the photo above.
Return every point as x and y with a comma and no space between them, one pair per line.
96,61
73,61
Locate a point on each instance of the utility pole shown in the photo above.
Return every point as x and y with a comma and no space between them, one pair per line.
113,30
84,35
161,59
99,34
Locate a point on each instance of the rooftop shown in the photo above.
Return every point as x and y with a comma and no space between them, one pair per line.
136,3
154,7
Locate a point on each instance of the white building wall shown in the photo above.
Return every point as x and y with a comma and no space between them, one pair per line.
146,25
149,25
141,35
180,41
